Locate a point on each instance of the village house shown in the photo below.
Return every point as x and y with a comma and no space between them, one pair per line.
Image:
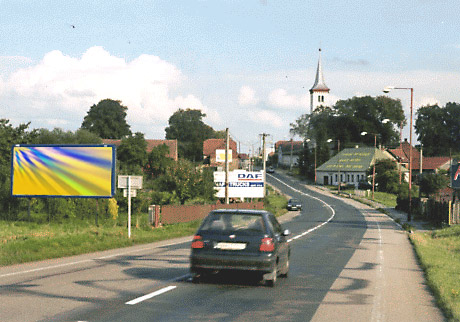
214,154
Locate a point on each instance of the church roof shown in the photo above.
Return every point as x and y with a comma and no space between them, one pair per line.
319,84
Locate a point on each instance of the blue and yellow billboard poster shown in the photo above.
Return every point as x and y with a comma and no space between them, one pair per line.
79,171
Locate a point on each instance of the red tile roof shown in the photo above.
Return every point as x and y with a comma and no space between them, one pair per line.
428,163
211,145
296,145
172,144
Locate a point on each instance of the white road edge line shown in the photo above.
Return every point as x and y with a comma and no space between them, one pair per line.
153,294
306,194
83,261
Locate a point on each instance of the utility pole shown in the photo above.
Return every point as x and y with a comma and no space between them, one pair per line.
226,165
263,161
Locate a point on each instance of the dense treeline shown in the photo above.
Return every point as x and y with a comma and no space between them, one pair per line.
165,181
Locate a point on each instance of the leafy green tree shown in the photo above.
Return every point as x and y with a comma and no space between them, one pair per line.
107,119
430,183
58,136
306,162
183,180
386,176
158,161
348,118
188,128
438,129
10,135
132,154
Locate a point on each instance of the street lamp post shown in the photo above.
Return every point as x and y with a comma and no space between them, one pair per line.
387,89
308,140
375,147
338,165
373,169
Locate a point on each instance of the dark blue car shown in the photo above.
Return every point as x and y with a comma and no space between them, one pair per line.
241,240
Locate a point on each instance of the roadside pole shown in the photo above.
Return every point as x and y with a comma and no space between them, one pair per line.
129,206
129,184
226,165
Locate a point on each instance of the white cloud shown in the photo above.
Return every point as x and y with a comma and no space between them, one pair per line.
60,89
280,98
247,96
267,118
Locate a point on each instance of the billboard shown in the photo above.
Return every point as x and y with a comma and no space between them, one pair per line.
63,171
241,184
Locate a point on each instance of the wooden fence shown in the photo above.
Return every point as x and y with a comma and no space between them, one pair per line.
454,213
177,214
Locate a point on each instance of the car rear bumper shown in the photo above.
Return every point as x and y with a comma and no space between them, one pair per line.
202,262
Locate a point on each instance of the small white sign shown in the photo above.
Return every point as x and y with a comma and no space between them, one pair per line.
133,193
135,182
220,155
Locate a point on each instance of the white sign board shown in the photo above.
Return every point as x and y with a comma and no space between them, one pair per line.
135,182
220,155
133,193
241,184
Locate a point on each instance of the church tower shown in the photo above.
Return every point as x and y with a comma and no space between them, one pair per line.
319,92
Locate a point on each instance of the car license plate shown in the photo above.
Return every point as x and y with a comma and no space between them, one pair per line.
230,246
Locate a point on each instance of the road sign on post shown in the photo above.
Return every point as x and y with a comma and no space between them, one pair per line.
130,184
135,181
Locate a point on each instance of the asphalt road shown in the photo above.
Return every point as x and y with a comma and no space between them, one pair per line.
348,263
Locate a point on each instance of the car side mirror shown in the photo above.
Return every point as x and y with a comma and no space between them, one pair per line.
286,232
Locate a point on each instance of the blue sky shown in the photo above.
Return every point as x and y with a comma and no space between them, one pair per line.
247,64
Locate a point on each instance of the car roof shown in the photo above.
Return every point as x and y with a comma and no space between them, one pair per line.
241,211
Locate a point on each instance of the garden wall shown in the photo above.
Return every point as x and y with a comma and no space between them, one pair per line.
177,214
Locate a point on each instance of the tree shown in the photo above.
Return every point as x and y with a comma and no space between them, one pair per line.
132,154
430,183
186,182
158,161
10,135
438,129
187,127
348,118
58,136
386,176
107,119
306,162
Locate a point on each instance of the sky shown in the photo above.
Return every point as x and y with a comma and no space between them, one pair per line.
247,64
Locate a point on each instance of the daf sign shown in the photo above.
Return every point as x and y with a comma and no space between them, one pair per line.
241,184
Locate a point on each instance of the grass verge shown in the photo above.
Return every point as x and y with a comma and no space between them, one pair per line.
25,242
22,242
439,255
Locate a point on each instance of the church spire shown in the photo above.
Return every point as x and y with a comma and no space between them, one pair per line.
319,89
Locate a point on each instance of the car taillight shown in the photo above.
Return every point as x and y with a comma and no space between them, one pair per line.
267,245
197,242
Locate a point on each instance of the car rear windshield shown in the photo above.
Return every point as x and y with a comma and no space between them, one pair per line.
231,222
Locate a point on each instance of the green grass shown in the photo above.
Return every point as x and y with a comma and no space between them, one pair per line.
439,255
275,202
22,242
